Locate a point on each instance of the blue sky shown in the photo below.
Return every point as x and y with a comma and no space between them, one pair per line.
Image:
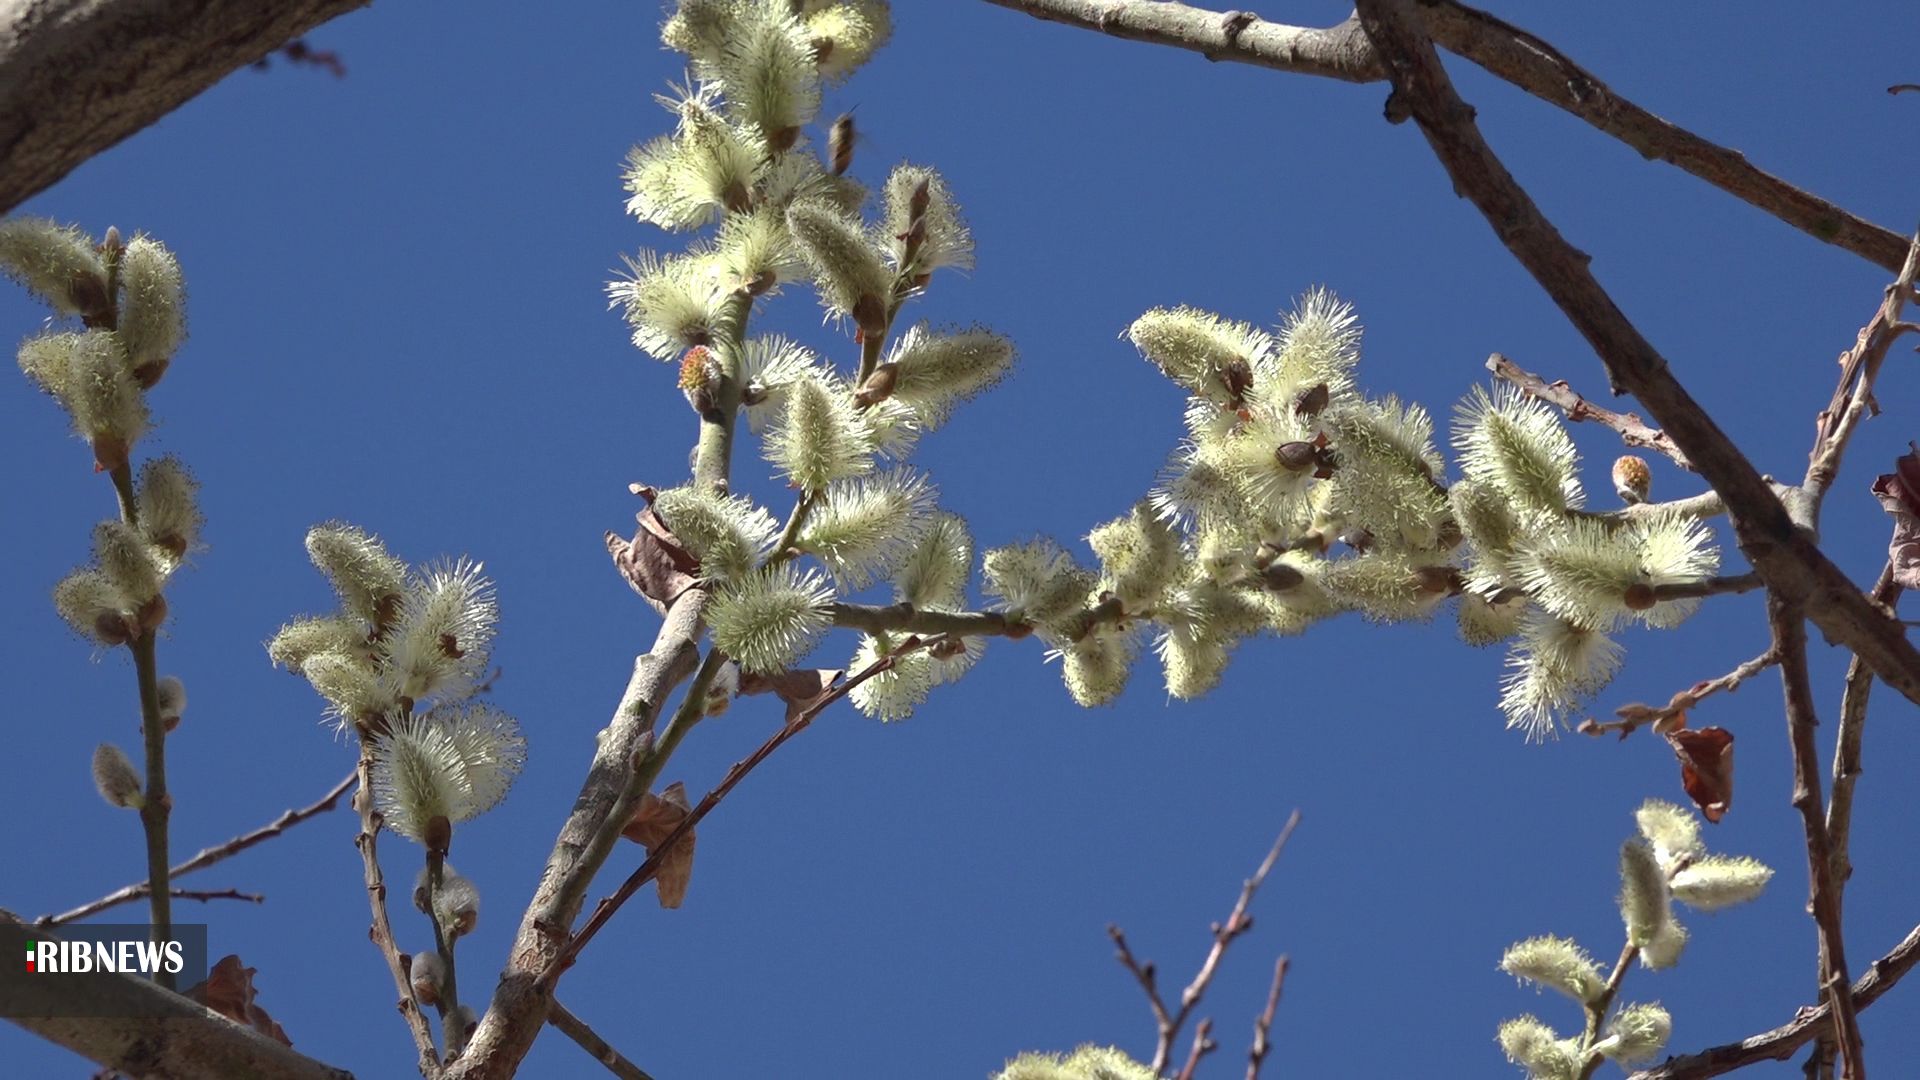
397,318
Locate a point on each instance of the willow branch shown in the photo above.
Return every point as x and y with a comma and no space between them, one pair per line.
604,911
1505,51
1633,430
1790,640
1809,1021
1846,751
1713,586
206,857
1203,1045
381,932
1786,557
1637,714
1859,369
1170,1021
1337,52
596,1047
1257,1055
899,618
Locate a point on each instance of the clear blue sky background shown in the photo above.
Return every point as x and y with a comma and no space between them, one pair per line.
398,319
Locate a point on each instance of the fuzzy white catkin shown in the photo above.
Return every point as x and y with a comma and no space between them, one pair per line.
115,777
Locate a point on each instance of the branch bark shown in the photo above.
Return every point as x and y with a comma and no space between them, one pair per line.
1785,555
150,1031
1505,51
78,76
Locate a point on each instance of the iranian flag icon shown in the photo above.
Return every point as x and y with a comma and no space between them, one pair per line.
30,953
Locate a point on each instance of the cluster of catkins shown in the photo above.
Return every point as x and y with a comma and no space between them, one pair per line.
130,304
1294,497
740,158
1665,863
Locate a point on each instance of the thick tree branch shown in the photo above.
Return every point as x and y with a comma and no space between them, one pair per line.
206,857
1633,430
1504,50
1790,641
1784,554
78,76
1780,1043
145,1030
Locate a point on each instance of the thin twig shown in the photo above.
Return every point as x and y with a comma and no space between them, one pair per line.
1859,369
1203,1045
381,932
893,618
1263,1024
1633,430
1714,586
1790,640
218,894
1169,1022
1598,1008
596,1047
206,857
1810,1020
1846,773
1636,714
604,911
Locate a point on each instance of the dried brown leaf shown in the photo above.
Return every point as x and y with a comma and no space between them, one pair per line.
799,689
1899,494
228,990
654,562
651,824
1706,767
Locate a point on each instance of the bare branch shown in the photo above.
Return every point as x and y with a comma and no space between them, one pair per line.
61,103
1203,1045
1714,586
1790,641
1846,751
1859,369
1633,430
1238,922
206,857
1780,1043
1637,714
1257,1056
1338,52
894,618
604,911
596,1047
218,894
1505,51
1786,556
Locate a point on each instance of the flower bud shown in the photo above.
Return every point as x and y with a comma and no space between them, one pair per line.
1631,479
173,701
426,972
116,778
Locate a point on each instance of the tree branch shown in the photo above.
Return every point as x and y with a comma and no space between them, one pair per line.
1790,641
604,911
78,76
1780,1043
1636,714
1633,430
1786,557
381,932
1337,52
1203,1045
897,618
1846,751
1238,922
1257,1056
1859,368
596,1047
1505,51
134,1026
206,857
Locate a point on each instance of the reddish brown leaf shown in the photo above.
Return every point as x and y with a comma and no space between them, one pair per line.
1899,494
799,689
228,990
654,562
1706,767
656,817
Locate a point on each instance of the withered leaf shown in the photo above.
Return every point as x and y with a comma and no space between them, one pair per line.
1899,494
1706,767
799,689
228,990
656,817
654,562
